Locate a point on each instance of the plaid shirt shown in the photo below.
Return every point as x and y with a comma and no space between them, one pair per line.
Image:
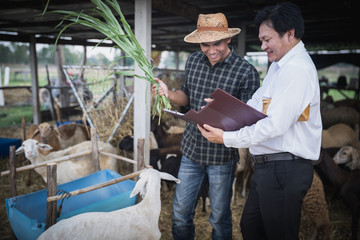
235,76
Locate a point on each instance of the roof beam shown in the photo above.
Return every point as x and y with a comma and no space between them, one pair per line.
177,7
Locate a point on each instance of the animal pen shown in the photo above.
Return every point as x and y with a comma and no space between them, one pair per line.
103,95
106,101
106,97
27,220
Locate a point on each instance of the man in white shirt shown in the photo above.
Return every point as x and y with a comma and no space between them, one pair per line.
284,143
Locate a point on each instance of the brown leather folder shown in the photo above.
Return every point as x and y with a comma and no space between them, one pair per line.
225,112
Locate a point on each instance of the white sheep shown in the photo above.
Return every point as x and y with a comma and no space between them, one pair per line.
140,221
338,135
349,156
71,169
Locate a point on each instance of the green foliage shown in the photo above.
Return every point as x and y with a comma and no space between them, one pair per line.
99,59
45,55
72,57
12,115
14,53
21,53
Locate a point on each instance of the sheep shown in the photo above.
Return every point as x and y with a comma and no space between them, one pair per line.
31,132
342,114
316,208
338,135
175,130
68,170
348,184
349,156
140,221
353,103
244,166
162,137
166,160
127,143
174,122
159,156
62,137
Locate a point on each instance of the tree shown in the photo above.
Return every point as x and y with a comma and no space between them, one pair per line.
21,53
5,53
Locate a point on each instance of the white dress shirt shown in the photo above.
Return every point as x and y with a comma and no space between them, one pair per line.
291,84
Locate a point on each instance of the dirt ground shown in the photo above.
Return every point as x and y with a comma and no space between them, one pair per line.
339,214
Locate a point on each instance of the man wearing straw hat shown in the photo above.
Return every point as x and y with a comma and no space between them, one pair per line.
215,66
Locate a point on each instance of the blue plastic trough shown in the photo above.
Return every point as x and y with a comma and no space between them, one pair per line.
5,143
27,213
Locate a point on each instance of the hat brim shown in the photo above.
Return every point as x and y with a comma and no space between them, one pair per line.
210,36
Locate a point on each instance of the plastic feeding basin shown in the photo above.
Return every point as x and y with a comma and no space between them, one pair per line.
27,213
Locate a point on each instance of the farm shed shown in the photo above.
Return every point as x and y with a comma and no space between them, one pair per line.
171,20
162,24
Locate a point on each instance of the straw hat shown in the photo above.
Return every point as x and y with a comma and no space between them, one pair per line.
210,28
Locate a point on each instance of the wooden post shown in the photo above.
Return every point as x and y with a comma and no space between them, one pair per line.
23,128
12,176
95,152
51,191
140,160
58,112
34,81
140,156
52,109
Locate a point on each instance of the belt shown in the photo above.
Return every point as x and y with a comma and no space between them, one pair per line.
274,157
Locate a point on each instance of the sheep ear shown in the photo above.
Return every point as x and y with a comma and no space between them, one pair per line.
169,177
352,165
44,146
35,133
139,187
56,131
354,155
19,150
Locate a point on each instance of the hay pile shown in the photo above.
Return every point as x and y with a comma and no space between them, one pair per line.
17,96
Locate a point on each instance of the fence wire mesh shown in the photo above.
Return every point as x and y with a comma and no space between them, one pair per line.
106,97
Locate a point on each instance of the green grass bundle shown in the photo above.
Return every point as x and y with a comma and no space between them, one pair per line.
121,34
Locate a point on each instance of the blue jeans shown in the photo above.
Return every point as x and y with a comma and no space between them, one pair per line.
187,194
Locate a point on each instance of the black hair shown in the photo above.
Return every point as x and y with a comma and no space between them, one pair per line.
282,17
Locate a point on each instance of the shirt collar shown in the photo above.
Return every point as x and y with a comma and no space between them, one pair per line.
296,49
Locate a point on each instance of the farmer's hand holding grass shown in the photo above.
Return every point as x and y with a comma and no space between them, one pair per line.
160,89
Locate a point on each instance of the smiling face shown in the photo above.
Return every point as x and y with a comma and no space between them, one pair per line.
273,44
216,51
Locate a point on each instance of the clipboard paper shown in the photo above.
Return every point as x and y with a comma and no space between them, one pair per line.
225,112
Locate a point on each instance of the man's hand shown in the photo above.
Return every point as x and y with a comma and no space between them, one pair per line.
214,135
160,89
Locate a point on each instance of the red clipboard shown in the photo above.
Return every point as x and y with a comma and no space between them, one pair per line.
225,112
